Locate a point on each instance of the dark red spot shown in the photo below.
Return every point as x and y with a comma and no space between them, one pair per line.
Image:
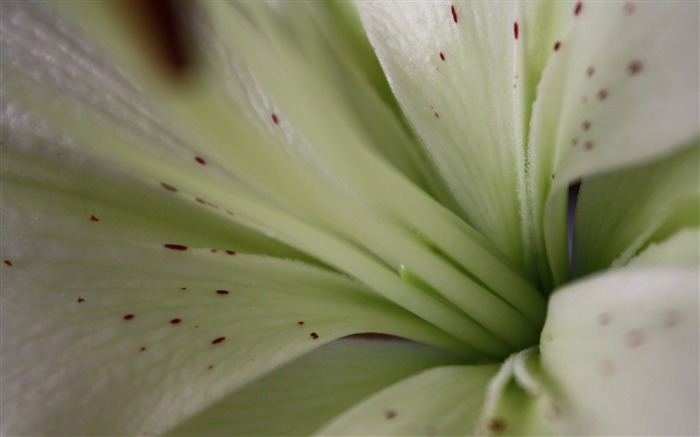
634,67
635,338
437,115
586,125
442,56
230,252
128,317
454,13
183,288
229,213
218,340
314,335
557,46
143,349
574,141
390,414
175,247
175,321
213,250
275,119
589,71
515,29
577,8
81,300
168,187
603,319
93,218
8,263
222,292
603,94
211,366
588,145
200,200
496,425
300,322
628,8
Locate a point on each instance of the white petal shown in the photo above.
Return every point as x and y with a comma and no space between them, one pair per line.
621,349
440,401
464,73
85,248
302,396
622,90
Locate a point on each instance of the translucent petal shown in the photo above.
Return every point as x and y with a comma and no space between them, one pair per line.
118,318
465,73
621,350
443,400
620,213
622,90
305,394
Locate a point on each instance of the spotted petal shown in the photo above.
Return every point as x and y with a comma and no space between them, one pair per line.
621,91
116,321
622,350
465,74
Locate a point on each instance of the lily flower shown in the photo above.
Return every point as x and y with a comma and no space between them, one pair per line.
351,219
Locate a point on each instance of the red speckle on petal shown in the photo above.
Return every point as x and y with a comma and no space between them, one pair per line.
496,425
603,94
442,56
574,141
314,335
577,8
588,145
213,250
211,366
200,160
515,29
230,213
183,288
275,119
168,187
589,71
218,340
634,67
200,200
175,247
454,13
175,321
300,323
628,8
635,338
557,46
390,414
81,300
437,115
128,317
143,349
586,125
231,252
8,263
223,292
93,218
